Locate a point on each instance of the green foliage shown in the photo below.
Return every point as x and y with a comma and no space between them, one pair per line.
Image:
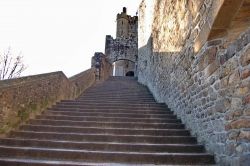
23,114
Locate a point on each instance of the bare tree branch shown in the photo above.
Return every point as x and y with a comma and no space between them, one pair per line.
11,66
5,58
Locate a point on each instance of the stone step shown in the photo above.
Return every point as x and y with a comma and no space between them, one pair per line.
128,107
82,103
113,87
103,156
100,130
132,87
57,111
104,146
139,110
118,96
103,89
114,97
115,110
126,90
112,101
108,105
108,89
119,92
8,161
108,119
97,105
115,100
136,125
103,137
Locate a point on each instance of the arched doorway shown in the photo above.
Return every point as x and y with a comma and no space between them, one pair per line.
130,74
123,68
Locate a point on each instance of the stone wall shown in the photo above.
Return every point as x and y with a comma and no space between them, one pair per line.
206,83
106,69
82,81
121,48
23,98
102,65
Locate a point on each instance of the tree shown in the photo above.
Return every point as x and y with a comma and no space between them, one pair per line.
11,66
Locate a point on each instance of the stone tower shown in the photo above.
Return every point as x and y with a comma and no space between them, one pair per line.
126,25
122,23
122,52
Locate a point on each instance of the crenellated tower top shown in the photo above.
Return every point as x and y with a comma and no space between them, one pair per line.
126,25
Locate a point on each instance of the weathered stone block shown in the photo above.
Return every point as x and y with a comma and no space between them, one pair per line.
210,69
246,99
242,90
232,135
244,160
217,86
230,147
234,115
220,106
239,148
194,6
231,50
214,42
234,78
202,37
201,63
224,82
242,42
236,103
247,112
222,59
237,124
245,73
211,54
244,135
245,58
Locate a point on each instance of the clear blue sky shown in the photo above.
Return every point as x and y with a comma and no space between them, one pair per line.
59,35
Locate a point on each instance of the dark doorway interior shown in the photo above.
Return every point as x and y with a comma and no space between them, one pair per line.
130,74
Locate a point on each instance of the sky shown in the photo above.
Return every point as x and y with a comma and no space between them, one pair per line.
59,35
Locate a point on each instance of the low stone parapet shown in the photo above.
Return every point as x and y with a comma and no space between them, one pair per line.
23,98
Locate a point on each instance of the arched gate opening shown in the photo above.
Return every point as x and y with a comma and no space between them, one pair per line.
124,68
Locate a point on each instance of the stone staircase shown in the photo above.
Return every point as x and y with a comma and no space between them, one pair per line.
116,122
